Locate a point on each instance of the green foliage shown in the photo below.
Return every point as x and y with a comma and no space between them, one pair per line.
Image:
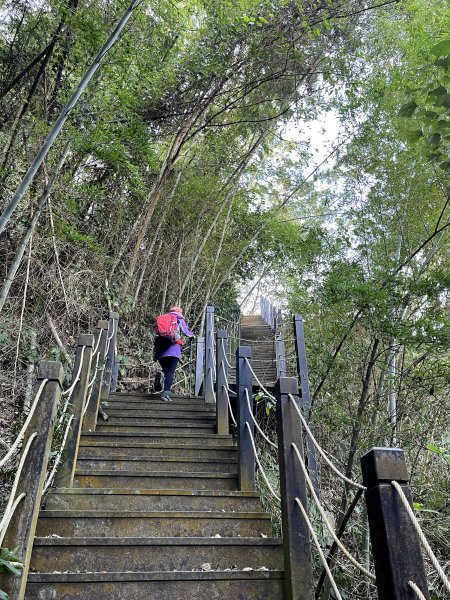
9,563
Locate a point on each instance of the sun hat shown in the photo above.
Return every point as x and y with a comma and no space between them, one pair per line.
177,309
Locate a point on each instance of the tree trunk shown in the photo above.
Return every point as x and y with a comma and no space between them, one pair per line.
31,227
42,153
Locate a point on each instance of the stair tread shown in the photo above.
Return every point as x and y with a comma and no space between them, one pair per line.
154,473
172,514
101,444
162,492
178,434
157,541
135,576
151,459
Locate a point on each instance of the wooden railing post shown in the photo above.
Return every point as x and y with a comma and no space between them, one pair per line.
395,544
246,466
280,350
115,376
221,384
90,416
297,553
209,355
22,526
199,359
76,408
113,323
305,401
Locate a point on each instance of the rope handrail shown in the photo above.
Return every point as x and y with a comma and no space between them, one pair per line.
321,451
109,337
7,516
229,406
212,382
256,423
77,376
49,478
325,519
97,344
69,392
113,330
259,463
91,383
319,549
440,571
19,438
227,387
229,365
257,380
417,590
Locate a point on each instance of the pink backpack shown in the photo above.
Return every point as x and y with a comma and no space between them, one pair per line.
167,326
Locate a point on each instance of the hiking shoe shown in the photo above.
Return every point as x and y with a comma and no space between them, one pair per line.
158,384
165,396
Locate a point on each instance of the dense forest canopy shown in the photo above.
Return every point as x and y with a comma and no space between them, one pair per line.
184,175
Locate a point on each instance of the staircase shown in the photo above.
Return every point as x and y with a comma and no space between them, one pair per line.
256,333
155,513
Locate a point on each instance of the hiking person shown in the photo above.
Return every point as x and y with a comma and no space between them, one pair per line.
168,345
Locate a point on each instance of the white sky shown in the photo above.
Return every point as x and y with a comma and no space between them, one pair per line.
321,135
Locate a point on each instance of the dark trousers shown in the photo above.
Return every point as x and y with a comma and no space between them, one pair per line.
168,365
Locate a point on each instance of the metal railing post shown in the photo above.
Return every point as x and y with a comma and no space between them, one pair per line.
395,544
209,355
221,384
199,358
297,553
305,401
22,527
90,416
246,464
76,408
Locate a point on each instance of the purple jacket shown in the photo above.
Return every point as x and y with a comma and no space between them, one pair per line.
164,347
